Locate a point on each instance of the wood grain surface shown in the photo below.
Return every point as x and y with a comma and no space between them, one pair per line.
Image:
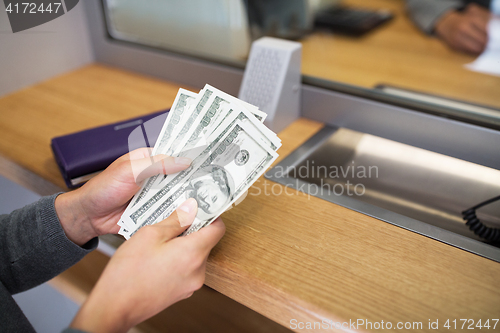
91,97
397,54
284,256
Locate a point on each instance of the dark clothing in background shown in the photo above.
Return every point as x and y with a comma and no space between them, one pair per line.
484,3
33,249
425,13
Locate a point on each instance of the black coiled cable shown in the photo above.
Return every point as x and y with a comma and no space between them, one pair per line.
487,233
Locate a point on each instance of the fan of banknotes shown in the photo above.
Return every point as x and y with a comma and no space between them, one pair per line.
230,148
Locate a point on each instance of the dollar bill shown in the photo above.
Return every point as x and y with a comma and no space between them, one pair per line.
252,172
215,110
214,114
173,180
260,115
193,114
237,160
184,112
243,116
230,119
131,217
180,108
209,127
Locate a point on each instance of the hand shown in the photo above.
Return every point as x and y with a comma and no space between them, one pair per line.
465,31
95,208
149,272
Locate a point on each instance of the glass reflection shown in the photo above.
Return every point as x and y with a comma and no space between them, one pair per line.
415,45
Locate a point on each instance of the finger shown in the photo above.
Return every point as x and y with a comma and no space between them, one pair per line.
136,154
469,39
471,44
481,28
140,153
159,164
179,221
206,238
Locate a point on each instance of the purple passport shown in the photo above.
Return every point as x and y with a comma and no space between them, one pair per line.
82,155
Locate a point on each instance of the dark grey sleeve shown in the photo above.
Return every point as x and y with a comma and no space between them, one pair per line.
34,247
425,13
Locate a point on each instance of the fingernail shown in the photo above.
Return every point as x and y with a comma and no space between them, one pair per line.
188,206
183,160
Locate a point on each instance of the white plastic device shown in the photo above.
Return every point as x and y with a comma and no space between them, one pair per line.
272,80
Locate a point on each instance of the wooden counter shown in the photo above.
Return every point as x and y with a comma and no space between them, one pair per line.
397,54
285,256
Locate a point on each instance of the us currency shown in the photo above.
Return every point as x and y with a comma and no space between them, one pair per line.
178,112
215,113
203,135
241,115
177,137
208,110
193,114
180,108
215,110
225,172
260,115
131,216
252,173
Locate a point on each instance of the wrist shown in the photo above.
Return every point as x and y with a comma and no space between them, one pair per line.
75,222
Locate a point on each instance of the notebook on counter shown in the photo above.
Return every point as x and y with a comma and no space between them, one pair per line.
82,155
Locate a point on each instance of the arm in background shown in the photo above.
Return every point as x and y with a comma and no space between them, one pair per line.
461,26
425,13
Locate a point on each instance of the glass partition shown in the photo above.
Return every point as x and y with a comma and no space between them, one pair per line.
400,58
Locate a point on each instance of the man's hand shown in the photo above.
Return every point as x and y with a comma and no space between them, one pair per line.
465,31
149,272
95,208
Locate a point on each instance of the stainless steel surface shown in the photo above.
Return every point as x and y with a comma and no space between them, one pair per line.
413,188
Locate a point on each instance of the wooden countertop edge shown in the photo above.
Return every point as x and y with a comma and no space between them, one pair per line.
257,295
26,178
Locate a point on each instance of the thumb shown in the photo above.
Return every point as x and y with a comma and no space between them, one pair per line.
206,238
179,220
144,168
